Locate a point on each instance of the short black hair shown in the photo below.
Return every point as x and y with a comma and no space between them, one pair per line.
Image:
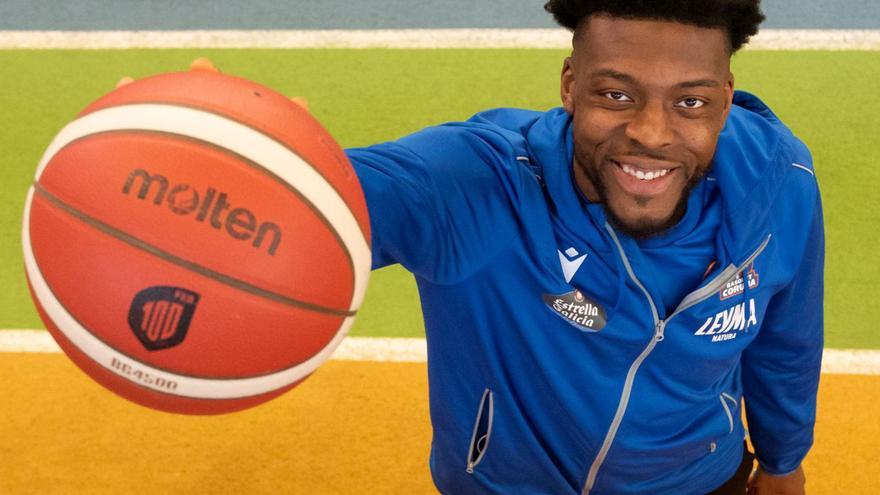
739,18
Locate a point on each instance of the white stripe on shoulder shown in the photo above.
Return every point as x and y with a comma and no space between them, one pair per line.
802,167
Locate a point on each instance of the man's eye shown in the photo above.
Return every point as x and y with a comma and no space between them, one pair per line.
691,103
617,96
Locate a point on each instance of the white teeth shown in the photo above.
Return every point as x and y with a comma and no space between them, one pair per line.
643,175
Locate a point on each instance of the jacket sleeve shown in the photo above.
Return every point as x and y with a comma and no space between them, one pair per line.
436,199
781,367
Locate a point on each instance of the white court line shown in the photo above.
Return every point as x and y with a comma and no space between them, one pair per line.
768,39
352,348
403,350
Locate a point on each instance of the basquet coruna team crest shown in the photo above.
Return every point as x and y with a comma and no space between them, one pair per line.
160,316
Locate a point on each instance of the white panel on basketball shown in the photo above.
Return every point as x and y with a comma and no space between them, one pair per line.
199,388
242,140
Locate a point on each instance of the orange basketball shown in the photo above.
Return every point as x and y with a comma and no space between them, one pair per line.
196,243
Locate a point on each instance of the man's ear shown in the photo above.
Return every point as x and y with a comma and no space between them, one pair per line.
567,85
728,97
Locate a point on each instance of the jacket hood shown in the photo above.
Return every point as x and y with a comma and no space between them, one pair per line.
753,158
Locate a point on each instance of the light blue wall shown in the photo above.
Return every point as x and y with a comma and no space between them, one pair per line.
365,14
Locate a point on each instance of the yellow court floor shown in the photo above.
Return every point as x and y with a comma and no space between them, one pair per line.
353,427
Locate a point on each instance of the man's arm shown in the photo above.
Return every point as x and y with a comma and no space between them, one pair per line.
781,372
436,200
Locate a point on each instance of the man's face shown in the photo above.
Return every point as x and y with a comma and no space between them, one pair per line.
648,100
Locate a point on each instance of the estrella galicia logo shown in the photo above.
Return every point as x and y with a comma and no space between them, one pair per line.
577,309
160,316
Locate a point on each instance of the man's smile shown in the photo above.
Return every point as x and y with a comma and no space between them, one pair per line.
644,178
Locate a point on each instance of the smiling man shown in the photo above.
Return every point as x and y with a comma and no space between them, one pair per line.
605,284
649,100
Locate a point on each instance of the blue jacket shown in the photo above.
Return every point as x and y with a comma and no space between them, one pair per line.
555,372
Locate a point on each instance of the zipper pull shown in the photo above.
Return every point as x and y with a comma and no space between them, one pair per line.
658,330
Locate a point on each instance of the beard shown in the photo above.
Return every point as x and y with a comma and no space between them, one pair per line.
646,227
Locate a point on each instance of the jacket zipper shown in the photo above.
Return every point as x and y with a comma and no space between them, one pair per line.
690,300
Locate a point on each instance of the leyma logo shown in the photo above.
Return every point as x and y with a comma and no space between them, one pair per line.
184,199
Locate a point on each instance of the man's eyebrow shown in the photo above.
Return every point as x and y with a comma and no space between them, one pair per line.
710,83
613,74
624,77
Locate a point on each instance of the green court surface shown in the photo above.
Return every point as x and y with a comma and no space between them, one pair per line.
367,96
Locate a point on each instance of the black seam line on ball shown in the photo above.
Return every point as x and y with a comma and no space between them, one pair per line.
171,258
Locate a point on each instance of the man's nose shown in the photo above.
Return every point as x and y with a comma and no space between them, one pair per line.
651,127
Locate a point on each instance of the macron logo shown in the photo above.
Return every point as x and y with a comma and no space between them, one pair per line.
570,262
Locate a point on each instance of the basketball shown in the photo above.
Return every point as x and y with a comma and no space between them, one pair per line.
196,243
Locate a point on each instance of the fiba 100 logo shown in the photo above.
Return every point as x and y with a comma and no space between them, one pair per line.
184,199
